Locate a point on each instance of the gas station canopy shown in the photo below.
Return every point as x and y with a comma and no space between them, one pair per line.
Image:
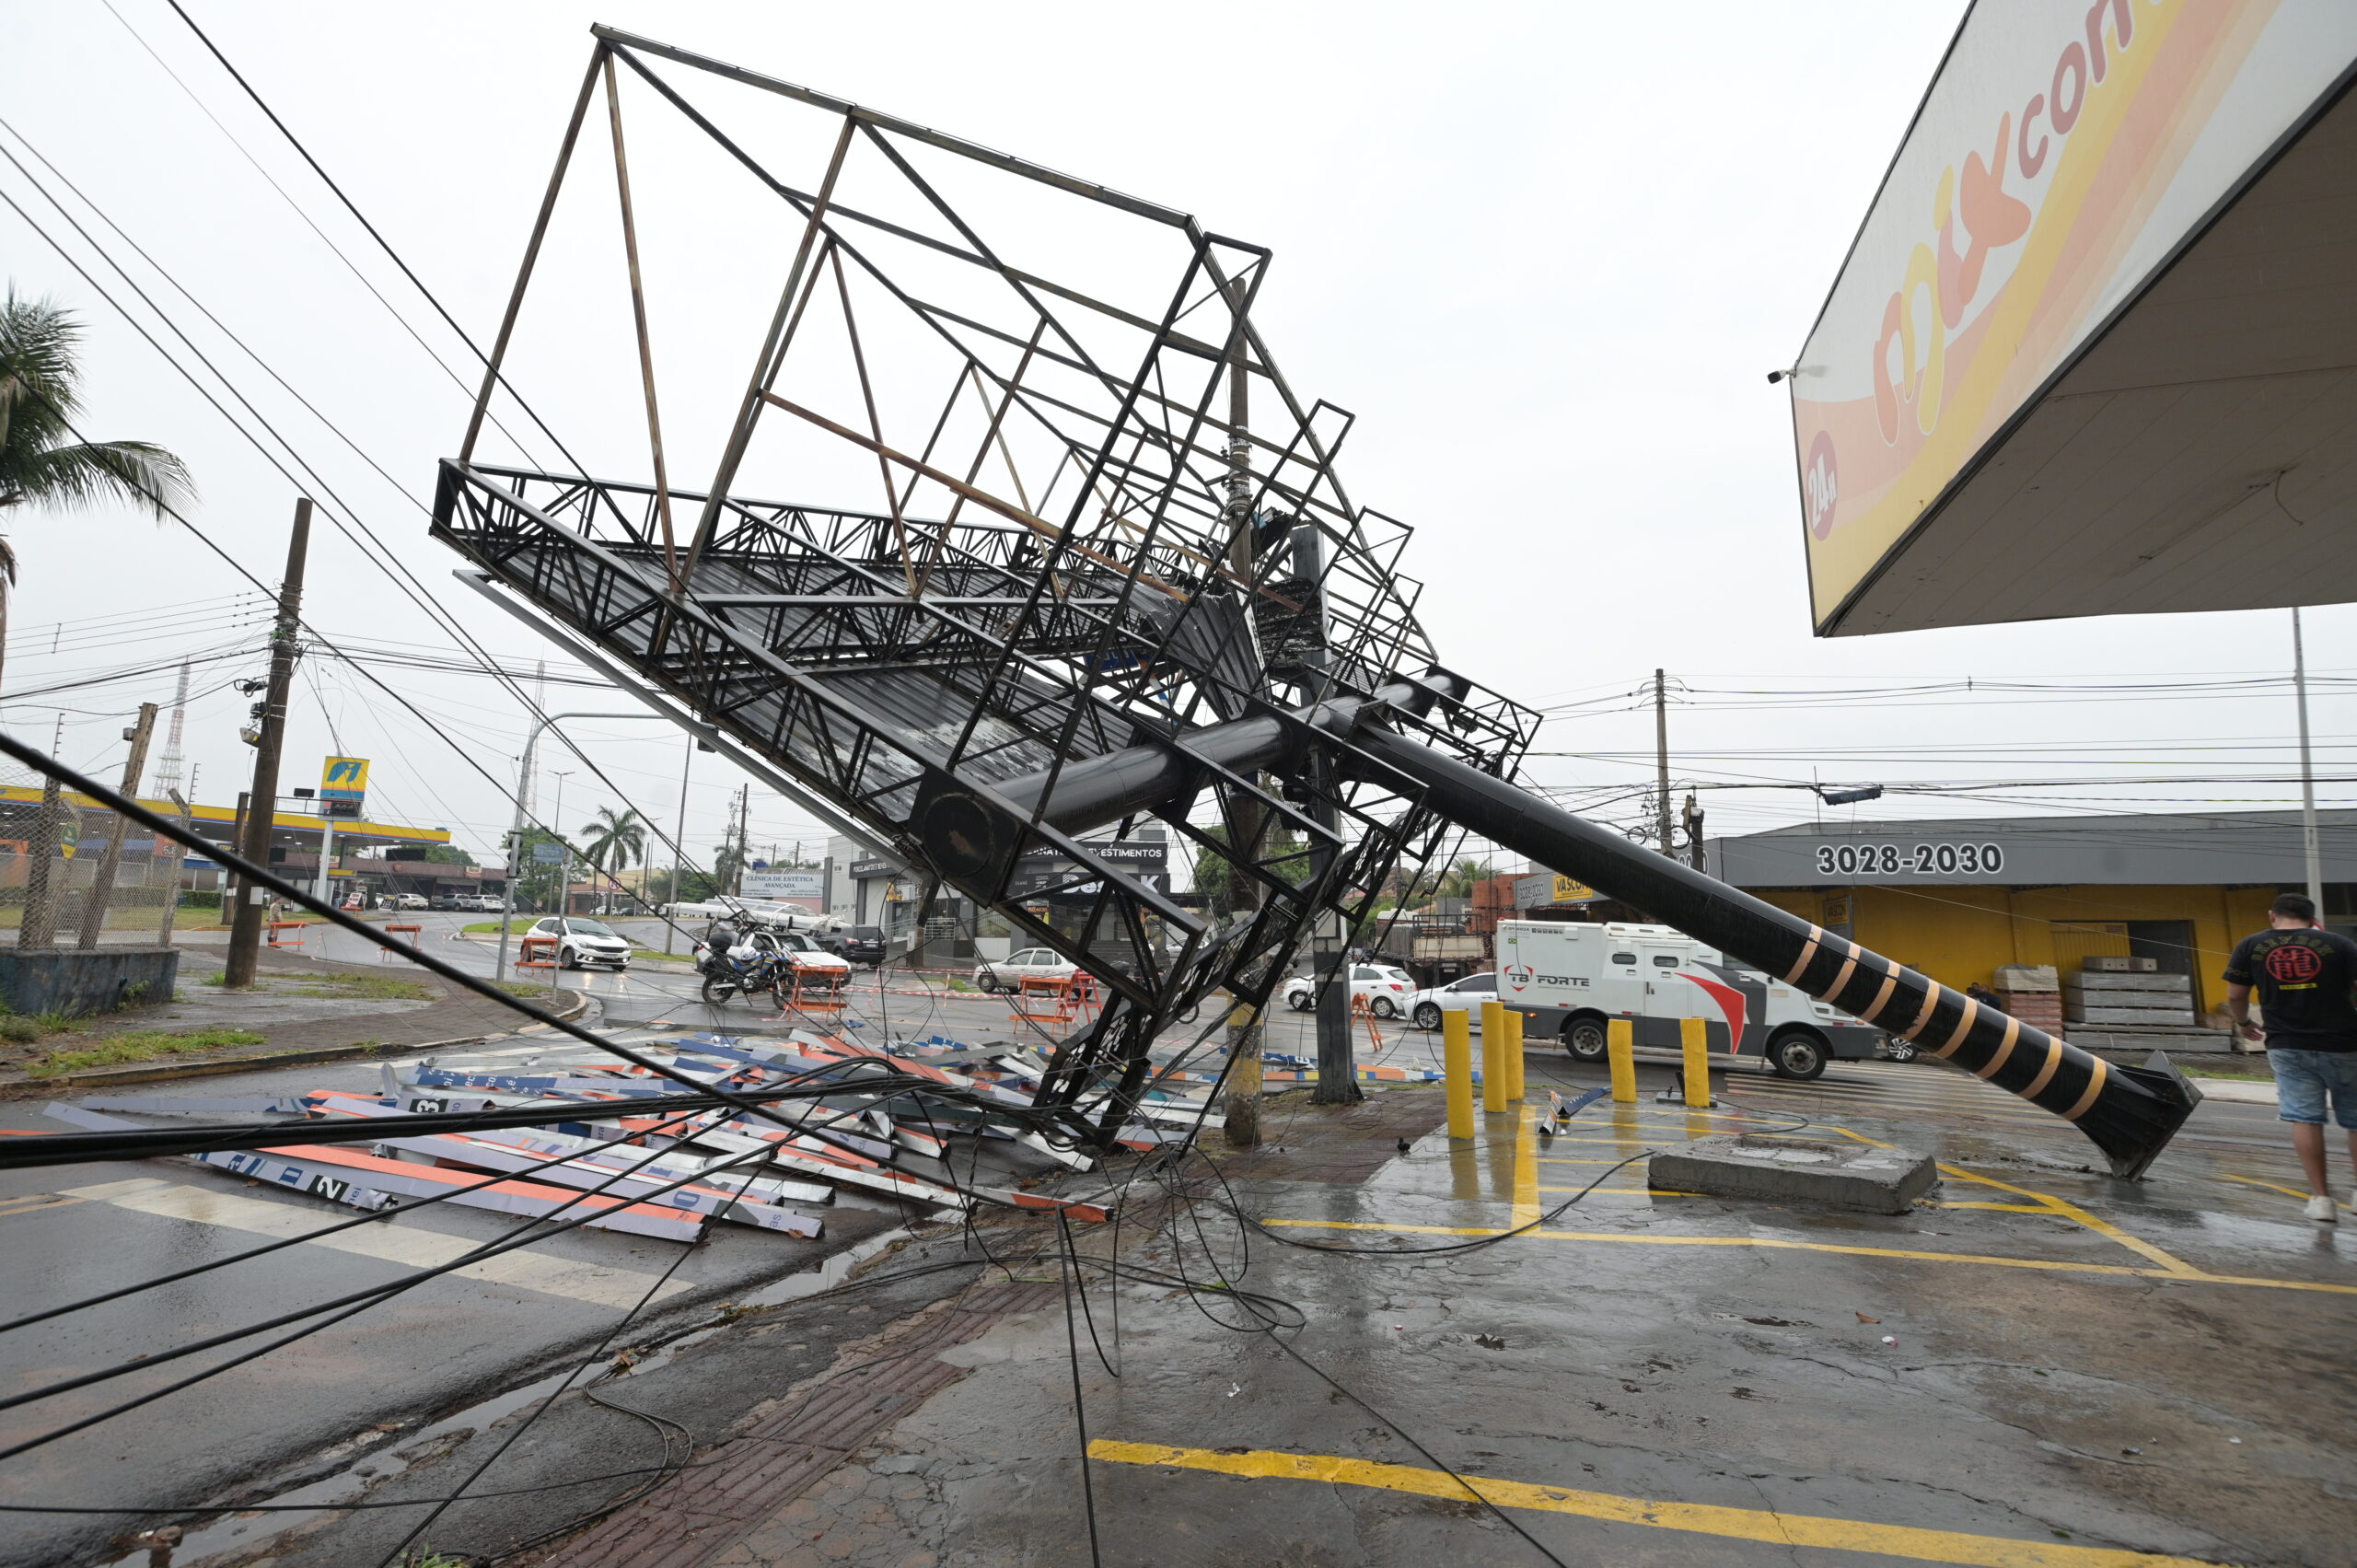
2094,351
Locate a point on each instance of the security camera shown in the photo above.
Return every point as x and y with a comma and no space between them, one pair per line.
1776,376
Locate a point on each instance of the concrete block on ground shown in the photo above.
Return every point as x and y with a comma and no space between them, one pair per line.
1793,1170
2176,984
79,983
2132,1015
2027,977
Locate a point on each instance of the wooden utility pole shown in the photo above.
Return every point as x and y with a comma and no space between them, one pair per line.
94,908
1661,759
744,826
261,813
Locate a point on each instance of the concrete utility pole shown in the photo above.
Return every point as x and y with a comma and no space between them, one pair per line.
172,888
678,843
1661,759
744,827
2307,773
1694,833
37,922
245,924
1337,1079
1242,1109
94,908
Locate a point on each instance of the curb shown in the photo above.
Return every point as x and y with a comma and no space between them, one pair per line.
165,1072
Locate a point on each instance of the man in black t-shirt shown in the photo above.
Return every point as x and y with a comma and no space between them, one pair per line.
2304,976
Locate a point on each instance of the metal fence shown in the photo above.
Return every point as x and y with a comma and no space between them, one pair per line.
66,899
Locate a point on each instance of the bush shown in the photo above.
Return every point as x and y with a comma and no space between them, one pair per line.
200,900
19,1031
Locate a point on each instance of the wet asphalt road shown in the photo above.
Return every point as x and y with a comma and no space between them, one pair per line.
330,1395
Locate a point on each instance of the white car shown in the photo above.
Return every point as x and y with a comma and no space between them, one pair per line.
1457,996
1385,987
995,975
405,901
583,943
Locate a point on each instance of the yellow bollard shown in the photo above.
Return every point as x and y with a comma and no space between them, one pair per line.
1514,1054
1456,1062
1493,1056
1620,1046
1696,1039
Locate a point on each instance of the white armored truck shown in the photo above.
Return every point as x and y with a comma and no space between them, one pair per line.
1571,979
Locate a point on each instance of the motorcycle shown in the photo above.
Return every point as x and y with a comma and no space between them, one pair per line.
752,967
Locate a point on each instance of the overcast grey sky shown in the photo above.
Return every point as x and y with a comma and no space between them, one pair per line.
1545,254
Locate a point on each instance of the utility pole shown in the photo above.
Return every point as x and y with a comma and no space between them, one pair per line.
1661,759
679,844
244,926
2307,773
37,924
172,888
744,826
1694,833
1242,1109
94,908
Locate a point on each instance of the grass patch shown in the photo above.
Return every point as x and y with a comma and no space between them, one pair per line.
952,982
523,987
491,927
218,977
141,1045
2245,1075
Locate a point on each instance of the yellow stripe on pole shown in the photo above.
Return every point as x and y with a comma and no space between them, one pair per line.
1775,1527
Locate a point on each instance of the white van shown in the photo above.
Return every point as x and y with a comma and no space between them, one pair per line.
1569,980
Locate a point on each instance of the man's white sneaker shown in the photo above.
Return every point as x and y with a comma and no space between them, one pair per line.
2320,1210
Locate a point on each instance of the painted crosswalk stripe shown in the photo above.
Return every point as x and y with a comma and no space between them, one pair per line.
392,1243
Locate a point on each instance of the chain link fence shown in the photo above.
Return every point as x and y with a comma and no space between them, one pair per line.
68,884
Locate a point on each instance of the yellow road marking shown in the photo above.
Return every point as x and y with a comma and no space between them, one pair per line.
2072,1212
1778,1244
2287,1191
1775,1527
1617,1192
1525,1170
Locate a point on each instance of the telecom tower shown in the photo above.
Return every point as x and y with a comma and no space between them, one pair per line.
168,768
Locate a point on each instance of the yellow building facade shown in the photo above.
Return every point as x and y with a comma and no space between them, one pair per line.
1956,898
1960,935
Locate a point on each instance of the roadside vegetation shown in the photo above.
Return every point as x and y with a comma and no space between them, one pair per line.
138,1045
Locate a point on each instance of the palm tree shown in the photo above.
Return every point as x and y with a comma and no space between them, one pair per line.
612,842
42,462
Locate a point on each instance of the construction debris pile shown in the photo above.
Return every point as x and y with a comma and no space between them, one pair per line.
875,1124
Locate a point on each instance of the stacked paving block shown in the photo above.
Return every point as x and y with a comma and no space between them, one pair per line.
2111,992
2032,993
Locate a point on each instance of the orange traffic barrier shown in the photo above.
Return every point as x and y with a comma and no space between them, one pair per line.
1044,999
416,935
545,946
1358,1009
278,925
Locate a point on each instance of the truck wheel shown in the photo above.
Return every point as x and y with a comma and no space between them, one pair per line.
1799,1055
1585,1039
1428,1015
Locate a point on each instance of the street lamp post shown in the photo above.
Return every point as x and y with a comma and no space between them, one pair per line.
515,835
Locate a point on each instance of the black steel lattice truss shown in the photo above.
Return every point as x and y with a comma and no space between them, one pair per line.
1122,527
1161,601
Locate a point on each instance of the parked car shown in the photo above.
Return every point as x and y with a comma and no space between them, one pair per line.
405,901
444,901
995,975
1385,987
856,944
1457,996
583,943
